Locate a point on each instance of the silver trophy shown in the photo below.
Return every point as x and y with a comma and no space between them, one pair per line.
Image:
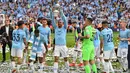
56,9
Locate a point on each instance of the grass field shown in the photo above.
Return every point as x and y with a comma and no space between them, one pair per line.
71,42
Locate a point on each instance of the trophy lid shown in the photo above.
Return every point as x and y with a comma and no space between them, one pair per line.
57,5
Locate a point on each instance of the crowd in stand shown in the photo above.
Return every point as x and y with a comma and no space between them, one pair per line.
99,10
33,12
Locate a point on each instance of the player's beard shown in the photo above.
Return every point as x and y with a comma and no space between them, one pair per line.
44,24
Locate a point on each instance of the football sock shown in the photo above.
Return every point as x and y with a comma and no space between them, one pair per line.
41,66
13,64
80,57
87,69
125,64
18,67
111,68
55,67
94,68
74,56
31,65
98,63
67,65
106,67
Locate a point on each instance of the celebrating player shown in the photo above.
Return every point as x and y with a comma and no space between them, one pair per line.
123,44
60,40
46,32
88,46
108,46
19,37
78,44
37,48
97,48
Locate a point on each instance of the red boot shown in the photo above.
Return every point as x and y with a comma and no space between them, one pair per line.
72,64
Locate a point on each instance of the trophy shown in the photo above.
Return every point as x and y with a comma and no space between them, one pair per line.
56,9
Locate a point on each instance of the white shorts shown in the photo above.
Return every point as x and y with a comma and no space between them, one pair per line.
78,48
40,53
44,49
61,51
110,54
17,53
122,52
97,52
23,46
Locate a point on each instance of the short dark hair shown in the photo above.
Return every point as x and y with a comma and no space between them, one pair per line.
40,18
90,19
36,31
105,22
74,22
20,23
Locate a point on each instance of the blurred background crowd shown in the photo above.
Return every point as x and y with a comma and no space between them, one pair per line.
75,10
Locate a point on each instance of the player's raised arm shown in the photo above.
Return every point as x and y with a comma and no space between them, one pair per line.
53,19
63,18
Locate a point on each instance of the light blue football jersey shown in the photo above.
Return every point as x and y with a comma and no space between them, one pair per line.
46,32
107,35
97,39
37,42
36,45
18,36
124,34
27,33
60,33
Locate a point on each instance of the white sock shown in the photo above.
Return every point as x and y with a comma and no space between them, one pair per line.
13,64
32,65
121,61
74,56
98,63
41,65
102,62
111,68
125,64
106,67
80,57
67,65
55,67
18,67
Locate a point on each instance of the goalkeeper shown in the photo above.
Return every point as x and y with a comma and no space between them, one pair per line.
88,46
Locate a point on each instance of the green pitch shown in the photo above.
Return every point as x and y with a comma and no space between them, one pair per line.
70,42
